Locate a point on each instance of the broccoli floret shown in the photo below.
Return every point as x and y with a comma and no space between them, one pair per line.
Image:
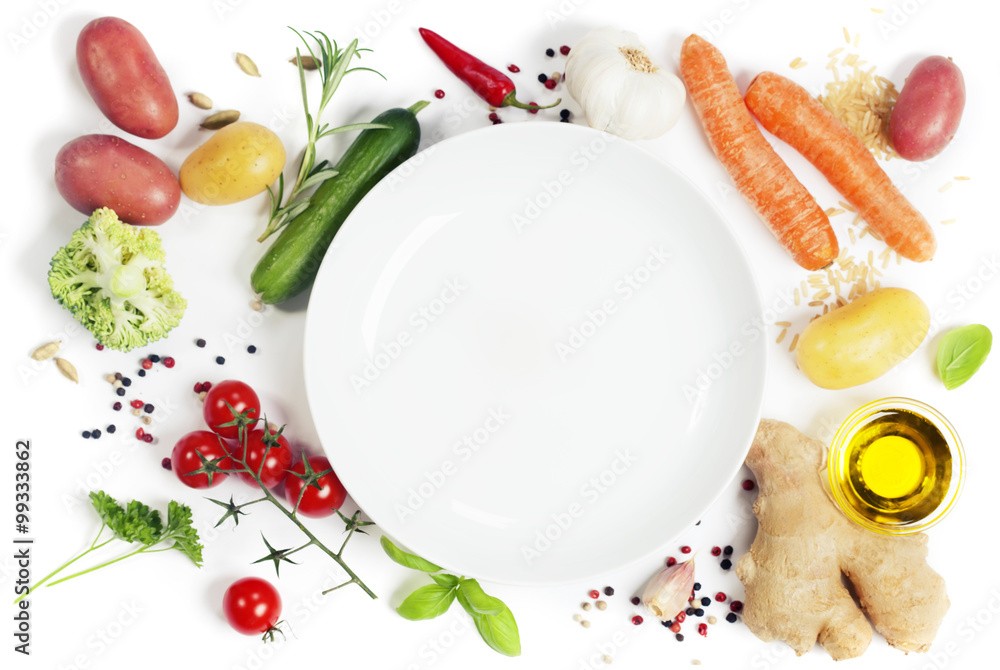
111,277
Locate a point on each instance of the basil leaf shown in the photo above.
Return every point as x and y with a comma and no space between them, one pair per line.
444,579
961,353
498,628
475,600
427,602
407,559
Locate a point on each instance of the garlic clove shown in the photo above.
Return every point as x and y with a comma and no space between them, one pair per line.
667,592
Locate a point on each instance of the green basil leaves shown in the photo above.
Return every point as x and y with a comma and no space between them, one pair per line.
961,353
493,619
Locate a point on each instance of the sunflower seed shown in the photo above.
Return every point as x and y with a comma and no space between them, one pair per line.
46,351
220,119
67,370
200,100
247,65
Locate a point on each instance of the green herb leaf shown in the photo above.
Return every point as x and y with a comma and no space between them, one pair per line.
477,600
444,579
961,353
407,559
133,523
427,602
179,528
494,620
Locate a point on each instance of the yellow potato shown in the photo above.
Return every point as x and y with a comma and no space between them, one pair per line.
237,162
864,339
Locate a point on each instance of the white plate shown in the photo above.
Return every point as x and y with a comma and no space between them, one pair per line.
520,354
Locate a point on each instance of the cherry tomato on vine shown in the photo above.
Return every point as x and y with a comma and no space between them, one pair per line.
251,605
184,458
315,502
242,399
279,459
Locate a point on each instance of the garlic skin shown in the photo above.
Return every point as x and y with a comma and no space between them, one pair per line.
668,591
620,89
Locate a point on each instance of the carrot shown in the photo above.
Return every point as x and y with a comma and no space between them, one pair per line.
787,111
784,204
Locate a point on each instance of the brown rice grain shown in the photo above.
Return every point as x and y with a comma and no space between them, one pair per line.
948,221
945,187
795,340
962,178
847,36
815,303
835,52
781,336
783,324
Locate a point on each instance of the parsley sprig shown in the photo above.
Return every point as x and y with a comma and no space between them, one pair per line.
138,526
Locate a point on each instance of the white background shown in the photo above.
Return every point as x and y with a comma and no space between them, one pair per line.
159,610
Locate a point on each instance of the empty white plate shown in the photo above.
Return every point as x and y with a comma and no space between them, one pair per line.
534,354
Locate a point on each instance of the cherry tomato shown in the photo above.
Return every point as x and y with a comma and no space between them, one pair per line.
242,399
184,458
315,502
251,605
279,459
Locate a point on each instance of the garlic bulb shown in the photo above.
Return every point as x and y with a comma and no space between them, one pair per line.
620,89
667,592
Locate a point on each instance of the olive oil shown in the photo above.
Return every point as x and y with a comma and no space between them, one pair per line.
898,468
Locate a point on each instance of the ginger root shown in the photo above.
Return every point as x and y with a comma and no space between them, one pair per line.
792,573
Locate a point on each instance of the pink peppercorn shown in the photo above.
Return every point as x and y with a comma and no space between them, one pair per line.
550,84
637,620
685,549
748,485
595,594
671,561
720,597
166,464
439,94
147,438
169,362
675,627
513,68
736,606
716,551
146,364
99,347
703,630
564,50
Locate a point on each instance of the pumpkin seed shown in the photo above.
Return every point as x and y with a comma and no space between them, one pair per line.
200,100
247,65
46,351
220,119
67,370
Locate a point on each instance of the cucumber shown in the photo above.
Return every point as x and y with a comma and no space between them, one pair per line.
290,265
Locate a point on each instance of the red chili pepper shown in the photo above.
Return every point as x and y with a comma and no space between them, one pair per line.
489,83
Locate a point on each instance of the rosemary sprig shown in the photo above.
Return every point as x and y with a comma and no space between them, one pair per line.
333,64
233,510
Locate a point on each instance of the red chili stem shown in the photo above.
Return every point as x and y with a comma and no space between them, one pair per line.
489,83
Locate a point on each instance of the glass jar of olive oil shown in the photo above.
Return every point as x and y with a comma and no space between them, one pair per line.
896,466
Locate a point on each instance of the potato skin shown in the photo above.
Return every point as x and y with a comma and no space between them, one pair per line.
926,115
125,79
237,162
106,171
864,339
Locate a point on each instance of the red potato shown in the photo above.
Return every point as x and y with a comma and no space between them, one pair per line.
928,110
125,79
106,171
